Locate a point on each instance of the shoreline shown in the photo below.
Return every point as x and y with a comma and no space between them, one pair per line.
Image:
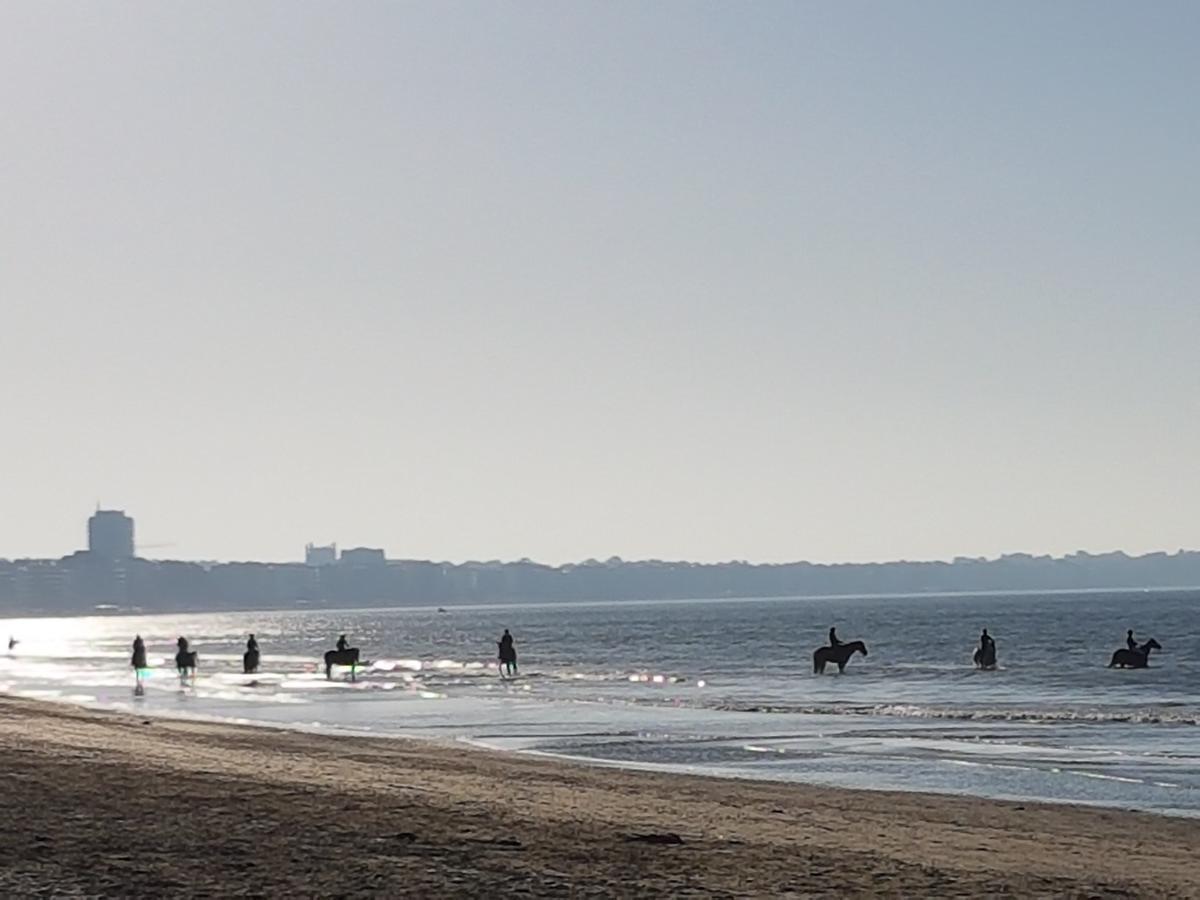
107,803
481,745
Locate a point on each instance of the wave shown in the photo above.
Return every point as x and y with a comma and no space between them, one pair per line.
965,714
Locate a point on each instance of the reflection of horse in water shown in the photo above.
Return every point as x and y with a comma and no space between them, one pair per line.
985,657
508,658
250,662
347,657
185,663
1134,659
840,654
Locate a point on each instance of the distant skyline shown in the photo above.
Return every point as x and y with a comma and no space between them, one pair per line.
781,281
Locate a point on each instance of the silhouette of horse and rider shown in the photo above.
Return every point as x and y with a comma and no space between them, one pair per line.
344,655
1133,655
837,653
138,662
250,657
185,659
507,655
985,654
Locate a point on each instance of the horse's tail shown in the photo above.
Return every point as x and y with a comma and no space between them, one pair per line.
817,663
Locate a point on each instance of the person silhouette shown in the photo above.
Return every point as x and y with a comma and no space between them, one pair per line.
342,644
182,644
984,640
139,653
252,645
508,653
833,638
1129,641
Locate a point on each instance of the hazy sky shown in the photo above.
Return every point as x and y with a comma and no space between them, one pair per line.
835,281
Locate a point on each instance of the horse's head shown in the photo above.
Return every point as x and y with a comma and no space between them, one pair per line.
1151,644
862,647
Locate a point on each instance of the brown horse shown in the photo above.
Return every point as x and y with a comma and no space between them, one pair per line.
840,654
185,662
508,659
1134,659
347,657
985,657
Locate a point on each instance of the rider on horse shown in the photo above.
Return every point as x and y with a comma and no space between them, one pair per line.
1129,641
252,645
342,643
985,640
833,638
508,653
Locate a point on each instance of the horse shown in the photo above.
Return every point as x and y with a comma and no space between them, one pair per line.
1134,659
508,659
138,661
250,662
185,661
347,657
985,658
840,654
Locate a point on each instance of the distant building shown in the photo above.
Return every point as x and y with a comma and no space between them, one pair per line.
110,534
320,556
363,556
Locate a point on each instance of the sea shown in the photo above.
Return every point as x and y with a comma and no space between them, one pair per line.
722,688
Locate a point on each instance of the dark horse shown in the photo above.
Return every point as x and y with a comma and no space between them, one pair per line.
185,662
985,657
1135,659
347,657
250,662
840,654
508,659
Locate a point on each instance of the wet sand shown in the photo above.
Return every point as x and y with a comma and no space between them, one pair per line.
98,804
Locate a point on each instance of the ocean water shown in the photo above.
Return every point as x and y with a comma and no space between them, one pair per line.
722,688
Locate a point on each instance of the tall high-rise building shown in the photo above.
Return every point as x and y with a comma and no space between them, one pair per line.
110,534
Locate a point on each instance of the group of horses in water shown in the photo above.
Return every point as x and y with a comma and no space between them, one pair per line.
342,655
1132,656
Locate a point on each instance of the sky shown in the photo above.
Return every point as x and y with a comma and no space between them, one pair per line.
685,280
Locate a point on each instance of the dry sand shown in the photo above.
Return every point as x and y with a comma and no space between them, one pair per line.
112,805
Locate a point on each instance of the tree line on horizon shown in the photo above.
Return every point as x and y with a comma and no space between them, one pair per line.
81,582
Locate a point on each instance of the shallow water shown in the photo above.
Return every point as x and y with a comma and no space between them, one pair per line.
719,687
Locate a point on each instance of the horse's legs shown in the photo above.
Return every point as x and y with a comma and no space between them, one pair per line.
841,668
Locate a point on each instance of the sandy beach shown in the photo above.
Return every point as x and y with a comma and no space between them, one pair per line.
99,804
